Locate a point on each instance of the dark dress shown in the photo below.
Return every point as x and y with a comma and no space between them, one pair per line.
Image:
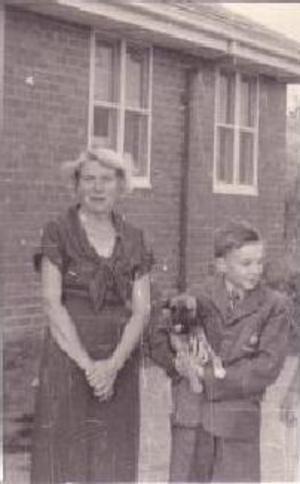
76,437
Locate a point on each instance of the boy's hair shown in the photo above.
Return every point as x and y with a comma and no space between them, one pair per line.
234,235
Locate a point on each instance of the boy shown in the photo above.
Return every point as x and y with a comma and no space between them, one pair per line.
247,325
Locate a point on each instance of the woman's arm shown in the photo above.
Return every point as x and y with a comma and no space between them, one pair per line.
61,326
132,332
141,307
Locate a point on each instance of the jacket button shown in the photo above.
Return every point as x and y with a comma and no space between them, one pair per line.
254,339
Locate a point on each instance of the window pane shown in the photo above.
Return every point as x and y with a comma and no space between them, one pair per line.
246,158
106,72
137,76
105,126
248,101
225,155
136,141
226,98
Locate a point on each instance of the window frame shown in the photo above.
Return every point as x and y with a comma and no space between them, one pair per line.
120,106
236,188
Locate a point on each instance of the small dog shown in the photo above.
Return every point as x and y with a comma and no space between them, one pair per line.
189,341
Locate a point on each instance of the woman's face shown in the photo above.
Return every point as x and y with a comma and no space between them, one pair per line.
98,187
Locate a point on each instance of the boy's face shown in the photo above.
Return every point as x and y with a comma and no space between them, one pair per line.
243,267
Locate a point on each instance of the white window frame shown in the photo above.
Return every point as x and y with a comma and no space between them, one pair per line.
236,188
121,107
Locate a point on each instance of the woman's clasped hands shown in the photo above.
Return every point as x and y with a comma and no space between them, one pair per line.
101,375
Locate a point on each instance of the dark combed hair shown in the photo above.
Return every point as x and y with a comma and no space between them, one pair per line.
234,235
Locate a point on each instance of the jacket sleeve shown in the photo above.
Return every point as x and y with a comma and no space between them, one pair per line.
160,348
251,376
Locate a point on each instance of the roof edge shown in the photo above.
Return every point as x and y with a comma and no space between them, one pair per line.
164,24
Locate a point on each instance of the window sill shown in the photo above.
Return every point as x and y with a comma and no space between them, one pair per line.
141,182
235,189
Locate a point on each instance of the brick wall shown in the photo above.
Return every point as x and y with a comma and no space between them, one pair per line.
46,110
158,210
207,210
272,162
45,121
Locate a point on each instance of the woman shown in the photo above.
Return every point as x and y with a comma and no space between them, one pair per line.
95,284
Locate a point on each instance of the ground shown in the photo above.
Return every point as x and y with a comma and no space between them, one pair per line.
20,363
21,357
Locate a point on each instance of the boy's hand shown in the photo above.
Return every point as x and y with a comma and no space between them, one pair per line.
187,366
182,364
186,369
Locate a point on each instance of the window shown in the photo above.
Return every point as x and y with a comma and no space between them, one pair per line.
120,106
236,133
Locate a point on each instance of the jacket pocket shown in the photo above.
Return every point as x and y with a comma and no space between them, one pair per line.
233,419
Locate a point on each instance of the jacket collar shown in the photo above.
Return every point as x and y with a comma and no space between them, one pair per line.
250,303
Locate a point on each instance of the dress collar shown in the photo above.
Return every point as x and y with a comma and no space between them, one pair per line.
76,228
116,218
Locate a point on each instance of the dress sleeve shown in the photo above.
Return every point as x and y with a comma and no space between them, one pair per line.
51,247
144,258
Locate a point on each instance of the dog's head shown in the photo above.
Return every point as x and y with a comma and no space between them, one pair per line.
182,310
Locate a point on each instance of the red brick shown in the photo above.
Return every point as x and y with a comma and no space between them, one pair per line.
47,123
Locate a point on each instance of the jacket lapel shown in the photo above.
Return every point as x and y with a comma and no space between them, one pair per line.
249,305
219,296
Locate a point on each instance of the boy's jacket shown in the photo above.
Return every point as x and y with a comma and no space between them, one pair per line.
252,341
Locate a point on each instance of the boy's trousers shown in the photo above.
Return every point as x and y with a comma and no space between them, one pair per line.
197,456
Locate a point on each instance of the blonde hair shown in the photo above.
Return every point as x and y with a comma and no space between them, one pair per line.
122,164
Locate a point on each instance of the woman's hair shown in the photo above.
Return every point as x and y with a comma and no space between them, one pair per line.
234,235
106,157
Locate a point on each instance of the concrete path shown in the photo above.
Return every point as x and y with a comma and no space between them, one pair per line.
278,445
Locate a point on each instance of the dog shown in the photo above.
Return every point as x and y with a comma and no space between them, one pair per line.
188,339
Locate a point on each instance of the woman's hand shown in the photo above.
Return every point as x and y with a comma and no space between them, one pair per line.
105,390
101,376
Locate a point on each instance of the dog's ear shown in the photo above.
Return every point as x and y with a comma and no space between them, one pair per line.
166,304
